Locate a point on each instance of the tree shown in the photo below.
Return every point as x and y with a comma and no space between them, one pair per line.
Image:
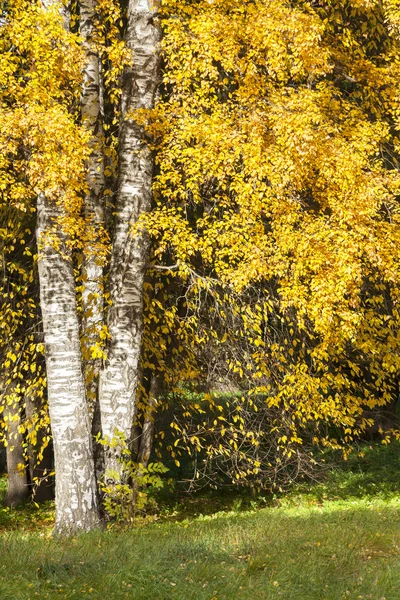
130,244
257,253
57,177
76,491
41,71
278,209
93,284
17,490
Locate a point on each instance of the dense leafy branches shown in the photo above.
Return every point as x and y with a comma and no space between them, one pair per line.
277,142
274,224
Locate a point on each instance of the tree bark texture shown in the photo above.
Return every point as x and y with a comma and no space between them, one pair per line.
42,483
76,493
119,378
92,295
76,490
147,436
3,460
17,490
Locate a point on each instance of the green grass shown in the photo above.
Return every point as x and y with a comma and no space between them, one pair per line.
339,550
336,540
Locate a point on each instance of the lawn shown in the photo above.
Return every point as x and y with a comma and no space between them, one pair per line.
336,540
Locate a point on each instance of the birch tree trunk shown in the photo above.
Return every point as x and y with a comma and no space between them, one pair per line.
76,490
118,379
92,296
76,493
17,490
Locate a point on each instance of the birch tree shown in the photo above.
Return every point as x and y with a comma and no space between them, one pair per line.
92,296
279,157
76,493
119,378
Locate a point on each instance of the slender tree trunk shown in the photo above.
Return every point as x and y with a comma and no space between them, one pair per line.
18,490
76,493
98,448
147,436
92,296
3,460
146,439
118,380
42,483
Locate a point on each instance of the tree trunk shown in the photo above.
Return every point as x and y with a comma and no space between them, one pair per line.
92,295
42,483
119,378
147,436
98,448
3,460
146,439
76,494
18,490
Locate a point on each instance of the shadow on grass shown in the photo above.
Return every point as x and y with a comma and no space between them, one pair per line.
314,553
372,471
27,516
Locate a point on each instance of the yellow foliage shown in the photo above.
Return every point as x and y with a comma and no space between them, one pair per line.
276,229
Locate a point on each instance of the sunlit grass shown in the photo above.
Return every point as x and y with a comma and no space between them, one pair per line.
337,540
338,550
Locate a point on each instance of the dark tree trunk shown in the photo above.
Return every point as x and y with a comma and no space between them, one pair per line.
42,482
147,436
18,489
3,459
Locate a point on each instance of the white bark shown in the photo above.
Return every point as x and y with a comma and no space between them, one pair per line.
63,8
76,493
118,380
92,296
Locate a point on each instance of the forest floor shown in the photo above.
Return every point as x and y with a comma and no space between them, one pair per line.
336,540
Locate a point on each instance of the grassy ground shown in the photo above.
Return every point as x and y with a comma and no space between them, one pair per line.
333,541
